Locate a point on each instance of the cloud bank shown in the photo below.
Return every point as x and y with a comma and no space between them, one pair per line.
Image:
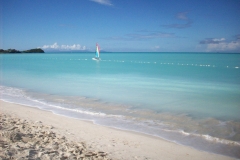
143,35
103,2
181,16
55,46
212,40
221,44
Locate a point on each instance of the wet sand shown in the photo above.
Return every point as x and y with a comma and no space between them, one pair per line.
31,133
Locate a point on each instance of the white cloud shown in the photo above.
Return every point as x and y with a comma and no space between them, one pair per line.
220,44
143,35
55,46
224,46
103,2
212,41
181,16
150,35
156,48
219,39
73,47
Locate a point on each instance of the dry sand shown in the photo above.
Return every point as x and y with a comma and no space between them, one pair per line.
89,140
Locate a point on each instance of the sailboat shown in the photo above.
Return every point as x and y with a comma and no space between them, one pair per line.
97,54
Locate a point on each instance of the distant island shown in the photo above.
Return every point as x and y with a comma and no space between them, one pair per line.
36,50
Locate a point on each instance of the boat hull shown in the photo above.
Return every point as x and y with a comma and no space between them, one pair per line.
96,59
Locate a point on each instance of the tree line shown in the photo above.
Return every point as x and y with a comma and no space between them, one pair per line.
36,50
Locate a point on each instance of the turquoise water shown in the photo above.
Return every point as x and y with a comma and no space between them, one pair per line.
189,98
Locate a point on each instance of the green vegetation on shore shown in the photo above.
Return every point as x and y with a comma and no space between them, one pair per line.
36,50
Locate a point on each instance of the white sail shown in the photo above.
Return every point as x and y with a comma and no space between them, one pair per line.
97,51
97,54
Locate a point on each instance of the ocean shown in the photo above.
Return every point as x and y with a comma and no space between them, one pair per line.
192,99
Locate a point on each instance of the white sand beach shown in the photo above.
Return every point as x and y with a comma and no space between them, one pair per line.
97,142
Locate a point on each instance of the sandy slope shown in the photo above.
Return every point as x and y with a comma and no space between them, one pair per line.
117,144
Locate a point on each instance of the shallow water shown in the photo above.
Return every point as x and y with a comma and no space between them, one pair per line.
191,99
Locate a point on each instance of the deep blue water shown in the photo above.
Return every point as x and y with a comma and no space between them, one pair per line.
189,98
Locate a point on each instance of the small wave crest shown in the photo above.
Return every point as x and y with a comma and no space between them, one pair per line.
210,138
70,109
158,128
11,91
205,137
219,140
11,94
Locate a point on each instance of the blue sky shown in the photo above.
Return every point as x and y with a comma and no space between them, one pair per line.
121,25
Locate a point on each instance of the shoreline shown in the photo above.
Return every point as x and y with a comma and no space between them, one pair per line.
119,144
